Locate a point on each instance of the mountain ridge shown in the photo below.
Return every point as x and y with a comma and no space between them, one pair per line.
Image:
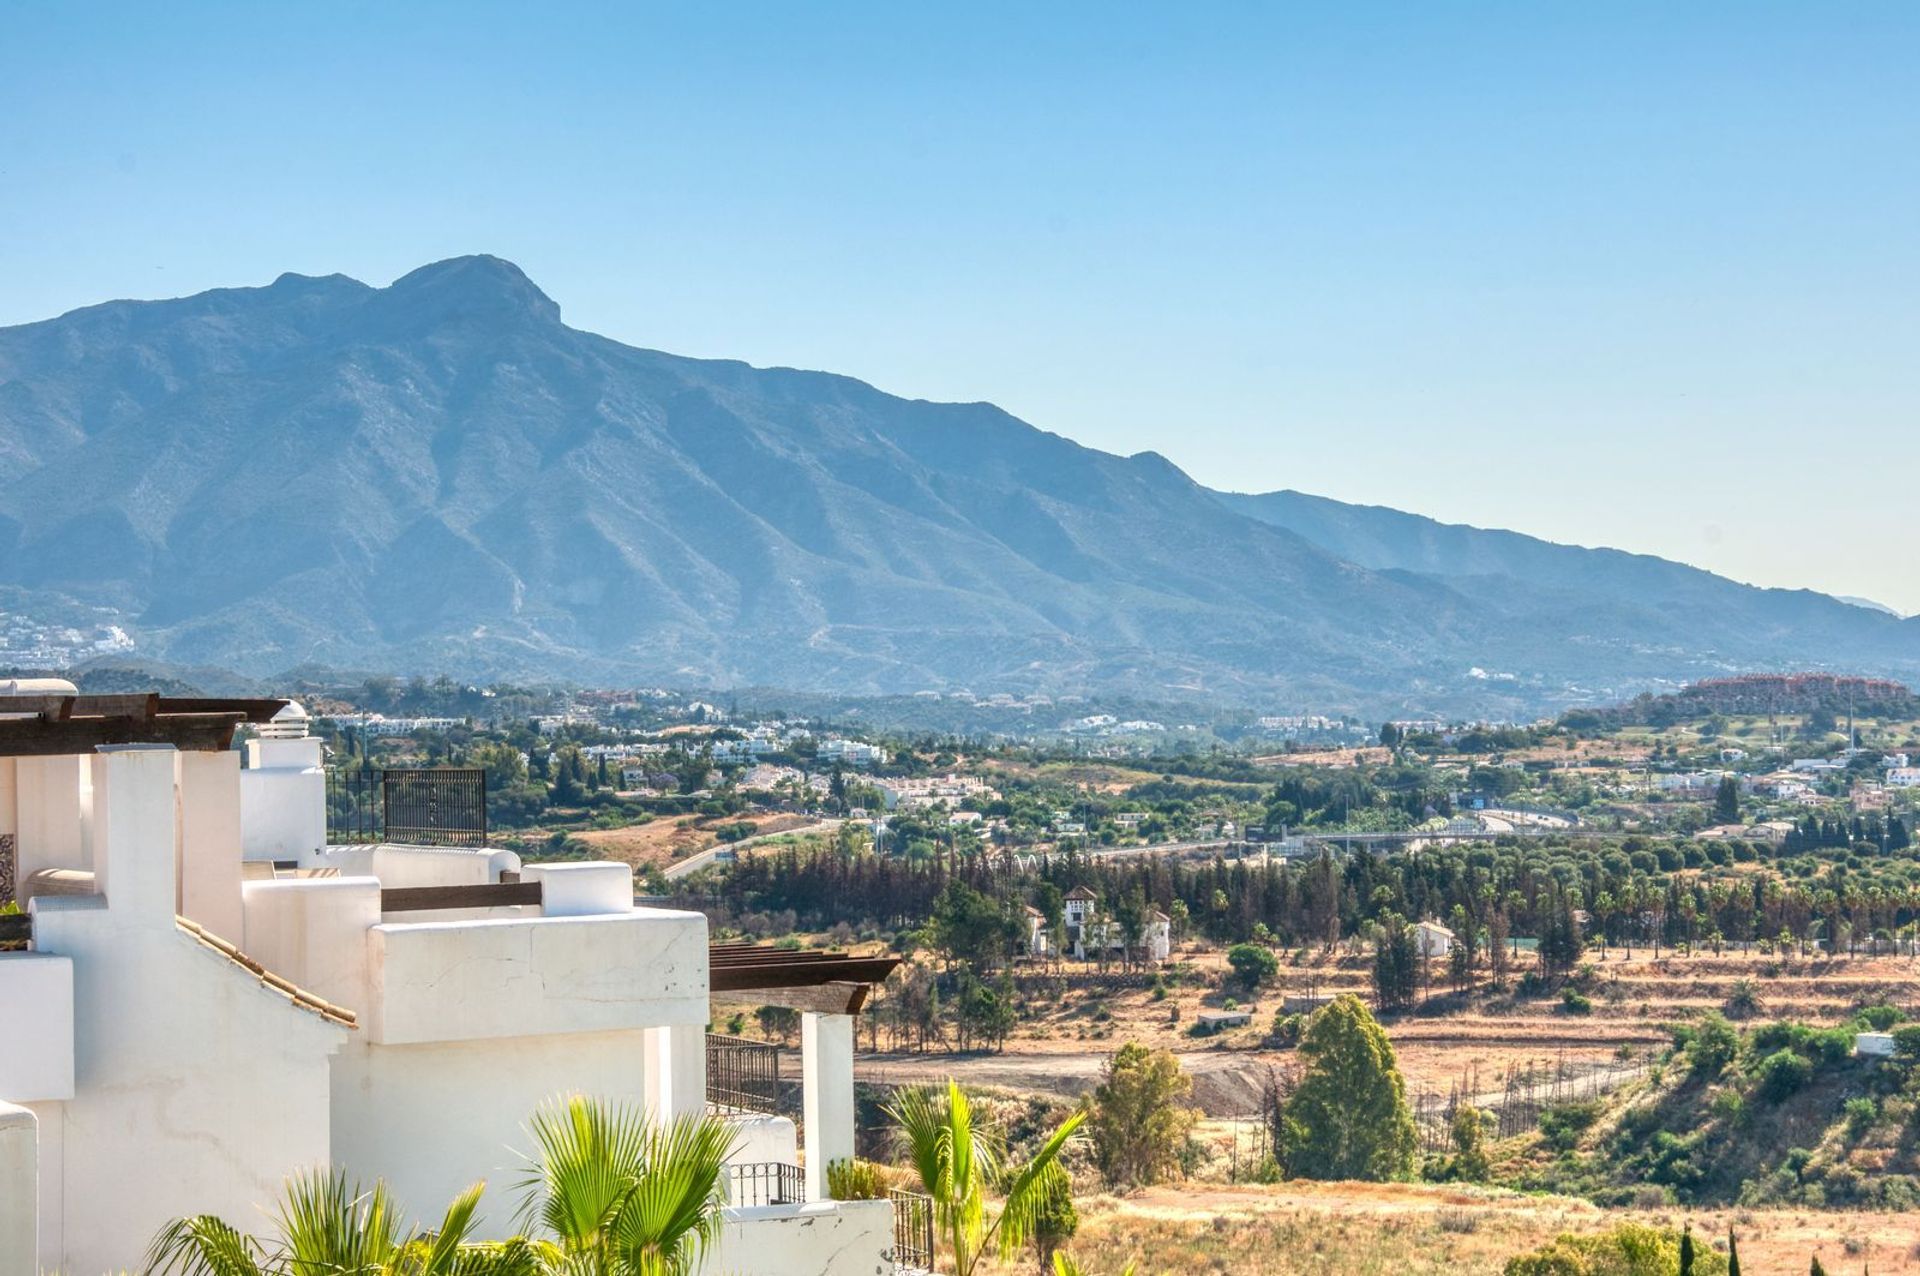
441,475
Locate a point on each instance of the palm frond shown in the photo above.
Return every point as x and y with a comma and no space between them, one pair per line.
1027,1192
438,1253
589,1155
331,1226
203,1246
672,1217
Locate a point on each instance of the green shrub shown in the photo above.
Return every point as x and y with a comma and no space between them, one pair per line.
1286,1029
856,1181
1778,1035
1576,1003
1631,1249
1782,1074
1830,1046
1861,1114
1712,1047
1906,1042
1879,1018
1252,964
1563,1124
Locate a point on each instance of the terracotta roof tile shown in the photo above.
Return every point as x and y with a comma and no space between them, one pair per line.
297,995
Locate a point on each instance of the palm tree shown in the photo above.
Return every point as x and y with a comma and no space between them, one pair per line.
623,1195
956,1163
326,1225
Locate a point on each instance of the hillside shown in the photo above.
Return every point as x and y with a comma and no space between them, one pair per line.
1599,590
441,475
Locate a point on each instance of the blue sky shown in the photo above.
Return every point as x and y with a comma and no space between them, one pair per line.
1638,275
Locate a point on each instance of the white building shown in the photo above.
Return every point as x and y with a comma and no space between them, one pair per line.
1089,934
1689,781
1432,939
945,791
852,752
1903,777
195,1020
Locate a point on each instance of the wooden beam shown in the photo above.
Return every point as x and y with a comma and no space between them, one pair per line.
138,704
256,709
421,899
39,737
825,999
861,970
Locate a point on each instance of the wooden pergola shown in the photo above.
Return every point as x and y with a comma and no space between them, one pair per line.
835,983
44,725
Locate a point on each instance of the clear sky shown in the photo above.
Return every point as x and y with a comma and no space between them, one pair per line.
1645,275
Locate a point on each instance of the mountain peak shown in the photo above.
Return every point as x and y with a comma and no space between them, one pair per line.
476,286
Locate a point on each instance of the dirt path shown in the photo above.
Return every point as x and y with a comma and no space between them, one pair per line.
1224,1083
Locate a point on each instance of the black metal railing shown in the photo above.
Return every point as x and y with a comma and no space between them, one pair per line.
742,1075
912,1231
423,806
766,1183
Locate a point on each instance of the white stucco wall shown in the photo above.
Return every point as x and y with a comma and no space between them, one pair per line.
826,1238
826,1061
52,814
431,1119
19,1192
196,1087
208,874
313,932
36,1027
410,866
283,801
760,1137
462,981
579,890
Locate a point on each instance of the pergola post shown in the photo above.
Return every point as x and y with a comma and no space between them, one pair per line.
826,1054
675,1071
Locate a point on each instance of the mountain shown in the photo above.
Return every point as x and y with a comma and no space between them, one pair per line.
440,475
1595,591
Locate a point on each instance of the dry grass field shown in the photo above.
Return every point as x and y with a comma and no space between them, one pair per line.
664,841
1369,1229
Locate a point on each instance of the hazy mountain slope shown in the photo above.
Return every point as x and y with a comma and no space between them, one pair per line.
441,472
1665,602
440,475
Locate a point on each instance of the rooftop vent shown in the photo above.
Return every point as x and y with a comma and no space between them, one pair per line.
288,724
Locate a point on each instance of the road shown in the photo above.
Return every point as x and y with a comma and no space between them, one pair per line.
711,856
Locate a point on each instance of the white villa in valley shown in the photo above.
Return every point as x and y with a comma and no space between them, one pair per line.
203,996
1090,934
1432,939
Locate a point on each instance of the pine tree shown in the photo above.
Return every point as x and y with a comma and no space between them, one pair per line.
1348,1118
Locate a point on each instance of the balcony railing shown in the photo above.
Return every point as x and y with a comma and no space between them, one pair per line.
426,806
742,1075
766,1183
912,1231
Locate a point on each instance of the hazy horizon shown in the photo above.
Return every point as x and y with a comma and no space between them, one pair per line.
1640,279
